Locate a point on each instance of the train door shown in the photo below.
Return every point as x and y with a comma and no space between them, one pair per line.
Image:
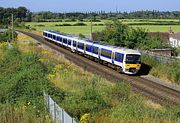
112,57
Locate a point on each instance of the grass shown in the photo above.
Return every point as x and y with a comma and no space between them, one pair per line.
160,28
76,90
168,72
22,79
40,26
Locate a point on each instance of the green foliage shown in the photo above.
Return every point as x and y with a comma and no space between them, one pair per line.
119,34
79,24
170,72
129,109
7,36
89,100
82,36
115,33
24,80
120,91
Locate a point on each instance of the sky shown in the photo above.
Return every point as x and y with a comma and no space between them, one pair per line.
93,5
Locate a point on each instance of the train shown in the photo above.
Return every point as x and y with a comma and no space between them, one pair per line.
124,60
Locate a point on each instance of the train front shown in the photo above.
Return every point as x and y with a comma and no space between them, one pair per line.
132,63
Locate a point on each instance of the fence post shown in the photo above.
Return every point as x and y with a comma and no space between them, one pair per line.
48,103
55,111
62,116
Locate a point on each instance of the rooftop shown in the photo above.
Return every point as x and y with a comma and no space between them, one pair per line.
175,35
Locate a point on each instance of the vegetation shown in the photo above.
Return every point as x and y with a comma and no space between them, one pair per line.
168,72
119,34
22,79
7,36
26,70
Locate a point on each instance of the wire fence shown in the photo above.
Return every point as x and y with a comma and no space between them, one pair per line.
57,113
162,59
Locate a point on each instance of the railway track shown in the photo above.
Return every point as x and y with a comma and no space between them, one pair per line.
150,89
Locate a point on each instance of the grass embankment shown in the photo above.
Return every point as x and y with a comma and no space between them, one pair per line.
31,68
22,79
168,72
152,25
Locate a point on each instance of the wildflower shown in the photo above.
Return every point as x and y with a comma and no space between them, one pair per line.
85,118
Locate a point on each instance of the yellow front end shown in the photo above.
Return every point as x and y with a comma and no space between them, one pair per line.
132,68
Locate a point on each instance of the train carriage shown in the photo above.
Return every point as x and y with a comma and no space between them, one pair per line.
125,60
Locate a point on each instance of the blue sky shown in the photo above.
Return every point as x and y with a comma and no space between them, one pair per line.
93,5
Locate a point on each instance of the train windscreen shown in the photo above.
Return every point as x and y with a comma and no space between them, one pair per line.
133,59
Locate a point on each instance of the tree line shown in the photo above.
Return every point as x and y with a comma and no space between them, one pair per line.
23,14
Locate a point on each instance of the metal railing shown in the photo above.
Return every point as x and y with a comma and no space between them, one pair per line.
57,113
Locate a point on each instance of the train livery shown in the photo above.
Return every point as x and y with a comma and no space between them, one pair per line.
124,60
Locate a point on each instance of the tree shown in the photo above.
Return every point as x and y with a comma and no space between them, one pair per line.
115,33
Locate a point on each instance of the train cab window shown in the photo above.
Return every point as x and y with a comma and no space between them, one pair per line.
45,34
88,48
106,53
81,45
95,50
69,42
119,57
74,43
54,37
133,59
65,40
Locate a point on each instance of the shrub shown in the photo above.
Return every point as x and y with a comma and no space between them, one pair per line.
89,100
66,24
79,24
82,36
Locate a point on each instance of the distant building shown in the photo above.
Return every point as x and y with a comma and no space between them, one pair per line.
171,38
174,39
164,36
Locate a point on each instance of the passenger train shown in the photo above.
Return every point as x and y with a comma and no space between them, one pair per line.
124,60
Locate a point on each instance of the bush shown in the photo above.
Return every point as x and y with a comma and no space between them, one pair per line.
89,100
58,25
120,91
79,24
82,36
66,24
40,25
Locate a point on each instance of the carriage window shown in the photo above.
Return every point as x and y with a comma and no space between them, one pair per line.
50,35
119,57
44,33
80,45
65,40
95,50
88,48
54,37
74,43
106,53
69,42
58,38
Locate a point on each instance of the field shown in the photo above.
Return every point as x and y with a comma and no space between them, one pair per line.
152,25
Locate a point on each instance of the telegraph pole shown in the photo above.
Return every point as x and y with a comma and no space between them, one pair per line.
12,26
91,29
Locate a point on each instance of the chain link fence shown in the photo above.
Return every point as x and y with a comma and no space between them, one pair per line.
57,113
